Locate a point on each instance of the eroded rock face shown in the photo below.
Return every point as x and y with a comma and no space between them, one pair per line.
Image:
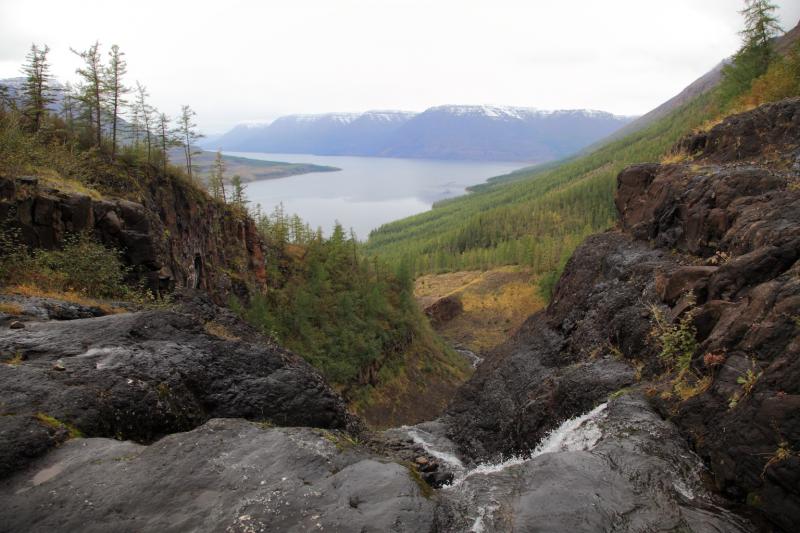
143,375
173,237
226,475
723,226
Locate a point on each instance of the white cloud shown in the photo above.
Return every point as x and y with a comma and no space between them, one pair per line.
241,60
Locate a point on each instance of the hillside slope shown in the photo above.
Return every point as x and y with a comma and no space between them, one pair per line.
536,217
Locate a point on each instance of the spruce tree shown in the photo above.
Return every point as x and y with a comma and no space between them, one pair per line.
36,93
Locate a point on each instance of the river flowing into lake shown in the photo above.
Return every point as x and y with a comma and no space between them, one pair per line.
368,191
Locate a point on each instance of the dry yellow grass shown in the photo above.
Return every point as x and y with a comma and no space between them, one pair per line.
495,302
51,178
10,308
67,296
218,330
673,158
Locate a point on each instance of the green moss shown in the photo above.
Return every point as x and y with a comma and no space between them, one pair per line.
621,392
426,490
753,499
163,391
50,421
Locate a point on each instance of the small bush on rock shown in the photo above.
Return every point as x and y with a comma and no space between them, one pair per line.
678,342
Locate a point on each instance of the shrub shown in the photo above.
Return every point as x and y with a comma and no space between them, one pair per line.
678,342
82,265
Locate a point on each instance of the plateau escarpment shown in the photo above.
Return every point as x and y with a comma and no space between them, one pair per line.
694,298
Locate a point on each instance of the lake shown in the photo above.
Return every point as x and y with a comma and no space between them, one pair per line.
368,191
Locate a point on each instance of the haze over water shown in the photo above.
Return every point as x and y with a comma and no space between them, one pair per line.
368,191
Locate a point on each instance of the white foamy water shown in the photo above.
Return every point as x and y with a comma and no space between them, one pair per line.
576,434
579,433
425,439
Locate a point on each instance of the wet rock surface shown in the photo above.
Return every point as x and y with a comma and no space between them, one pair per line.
227,475
716,236
621,469
143,375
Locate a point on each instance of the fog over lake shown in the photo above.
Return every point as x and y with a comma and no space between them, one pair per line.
368,191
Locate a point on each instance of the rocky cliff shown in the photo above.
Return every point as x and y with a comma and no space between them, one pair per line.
173,235
712,245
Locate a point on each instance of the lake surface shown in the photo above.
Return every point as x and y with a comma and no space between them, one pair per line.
368,191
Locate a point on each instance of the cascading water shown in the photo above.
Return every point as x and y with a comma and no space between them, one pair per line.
578,433
476,491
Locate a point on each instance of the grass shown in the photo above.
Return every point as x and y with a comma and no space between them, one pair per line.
686,390
218,330
30,290
495,303
52,422
747,380
15,359
10,308
783,453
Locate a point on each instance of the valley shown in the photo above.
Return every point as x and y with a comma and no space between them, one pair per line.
469,319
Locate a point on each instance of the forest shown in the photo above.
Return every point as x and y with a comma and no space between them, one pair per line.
352,317
537,217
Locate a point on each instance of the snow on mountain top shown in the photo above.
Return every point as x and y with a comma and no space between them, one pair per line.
389,115
518,113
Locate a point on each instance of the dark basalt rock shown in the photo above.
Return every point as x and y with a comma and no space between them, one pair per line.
724,225
143,375
227,475
444,309
173,237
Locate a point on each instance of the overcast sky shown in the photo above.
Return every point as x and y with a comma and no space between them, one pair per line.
236,61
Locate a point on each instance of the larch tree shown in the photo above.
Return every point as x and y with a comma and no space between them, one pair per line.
187,129
760,27
116,90
238,195
92,89
216,181
68,107
36,92
147,116
753,58
166,140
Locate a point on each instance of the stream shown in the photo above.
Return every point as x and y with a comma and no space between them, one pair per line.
478,491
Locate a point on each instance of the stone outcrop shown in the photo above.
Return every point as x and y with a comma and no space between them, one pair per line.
227,475
624,469
717,236
140,376
174,236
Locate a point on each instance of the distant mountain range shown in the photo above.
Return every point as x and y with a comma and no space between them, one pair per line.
444,132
